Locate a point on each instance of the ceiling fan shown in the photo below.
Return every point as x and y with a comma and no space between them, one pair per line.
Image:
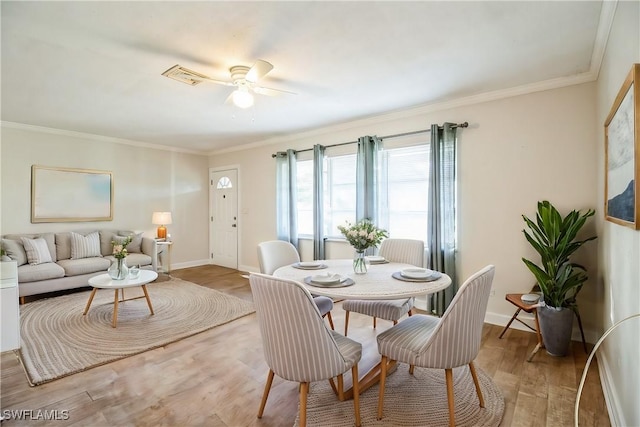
243,78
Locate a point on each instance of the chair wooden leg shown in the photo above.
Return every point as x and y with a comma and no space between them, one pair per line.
395,322
452,406
410,313
356,393
265,395
330,319
411,369
383,380
304,389
472,368
374,323
340,388
346,323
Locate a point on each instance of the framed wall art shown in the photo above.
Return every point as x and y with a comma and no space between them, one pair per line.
70,195
622,154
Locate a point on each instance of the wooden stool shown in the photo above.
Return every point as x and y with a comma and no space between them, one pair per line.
516,299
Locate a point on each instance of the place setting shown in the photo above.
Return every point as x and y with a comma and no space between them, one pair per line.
309,265
417,275
329,280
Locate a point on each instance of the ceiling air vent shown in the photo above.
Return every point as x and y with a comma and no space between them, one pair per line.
184,75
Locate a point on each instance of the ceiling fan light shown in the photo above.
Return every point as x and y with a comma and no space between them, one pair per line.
242,98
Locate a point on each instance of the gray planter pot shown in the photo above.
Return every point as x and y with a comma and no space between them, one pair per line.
556,326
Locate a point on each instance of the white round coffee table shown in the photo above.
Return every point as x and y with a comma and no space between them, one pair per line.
104,281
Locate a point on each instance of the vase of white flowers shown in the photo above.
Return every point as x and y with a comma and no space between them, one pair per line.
361,236
119,269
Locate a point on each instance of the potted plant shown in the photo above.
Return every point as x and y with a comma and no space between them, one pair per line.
560,280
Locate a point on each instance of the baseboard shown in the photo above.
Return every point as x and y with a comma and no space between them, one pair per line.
616,415
196,263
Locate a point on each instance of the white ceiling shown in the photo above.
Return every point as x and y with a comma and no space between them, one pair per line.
95,67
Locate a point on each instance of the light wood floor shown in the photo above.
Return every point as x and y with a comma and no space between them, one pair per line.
216,378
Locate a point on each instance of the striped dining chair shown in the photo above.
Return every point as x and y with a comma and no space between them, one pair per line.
441,343
297,344
274,254
407,251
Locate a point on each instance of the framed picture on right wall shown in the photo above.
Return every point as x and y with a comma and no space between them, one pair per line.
622,154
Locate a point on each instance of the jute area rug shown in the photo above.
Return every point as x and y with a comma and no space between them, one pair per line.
411,400
57,340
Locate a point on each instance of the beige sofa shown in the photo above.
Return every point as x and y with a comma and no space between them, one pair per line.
71,264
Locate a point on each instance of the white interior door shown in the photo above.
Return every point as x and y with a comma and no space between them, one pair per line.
224,218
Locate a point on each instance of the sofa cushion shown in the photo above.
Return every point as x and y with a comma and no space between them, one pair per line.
15,250
48,237
85,246
63,245
34,273
75,267
37,250
136,241
106,239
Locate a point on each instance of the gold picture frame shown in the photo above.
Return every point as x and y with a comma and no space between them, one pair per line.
622,154
70,195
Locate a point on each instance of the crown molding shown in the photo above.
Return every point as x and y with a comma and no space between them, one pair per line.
607,14
100,138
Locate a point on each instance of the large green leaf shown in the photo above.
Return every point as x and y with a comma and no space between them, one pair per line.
554,239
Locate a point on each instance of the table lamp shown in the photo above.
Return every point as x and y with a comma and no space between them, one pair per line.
161,219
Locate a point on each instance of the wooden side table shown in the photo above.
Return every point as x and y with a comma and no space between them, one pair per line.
165,247
516,300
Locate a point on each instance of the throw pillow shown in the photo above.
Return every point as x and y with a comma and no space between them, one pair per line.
37,250
135,247
15,251
85,246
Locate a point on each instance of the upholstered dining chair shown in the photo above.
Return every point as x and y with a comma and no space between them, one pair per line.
298,346
407,251
274,254
441,343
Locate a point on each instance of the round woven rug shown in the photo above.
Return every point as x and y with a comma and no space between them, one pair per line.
58,340
411,400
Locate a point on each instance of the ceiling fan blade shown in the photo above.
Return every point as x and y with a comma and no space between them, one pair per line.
259,69
270,91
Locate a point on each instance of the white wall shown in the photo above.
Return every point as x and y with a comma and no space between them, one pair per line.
516,151
145,180
619,253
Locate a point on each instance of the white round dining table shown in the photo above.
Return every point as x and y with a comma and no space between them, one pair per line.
376,284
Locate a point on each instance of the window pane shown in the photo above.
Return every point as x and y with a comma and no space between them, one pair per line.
339,192
405,191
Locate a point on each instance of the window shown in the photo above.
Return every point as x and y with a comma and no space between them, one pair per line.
402,193
223,183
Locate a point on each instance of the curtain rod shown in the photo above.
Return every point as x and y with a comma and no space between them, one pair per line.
459,125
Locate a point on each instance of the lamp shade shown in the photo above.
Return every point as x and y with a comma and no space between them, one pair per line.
161,218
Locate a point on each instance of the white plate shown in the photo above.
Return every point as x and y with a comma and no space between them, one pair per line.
310,264
375,258
416,273
327,278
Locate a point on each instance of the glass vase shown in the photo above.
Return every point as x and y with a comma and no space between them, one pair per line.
118,269
359,265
